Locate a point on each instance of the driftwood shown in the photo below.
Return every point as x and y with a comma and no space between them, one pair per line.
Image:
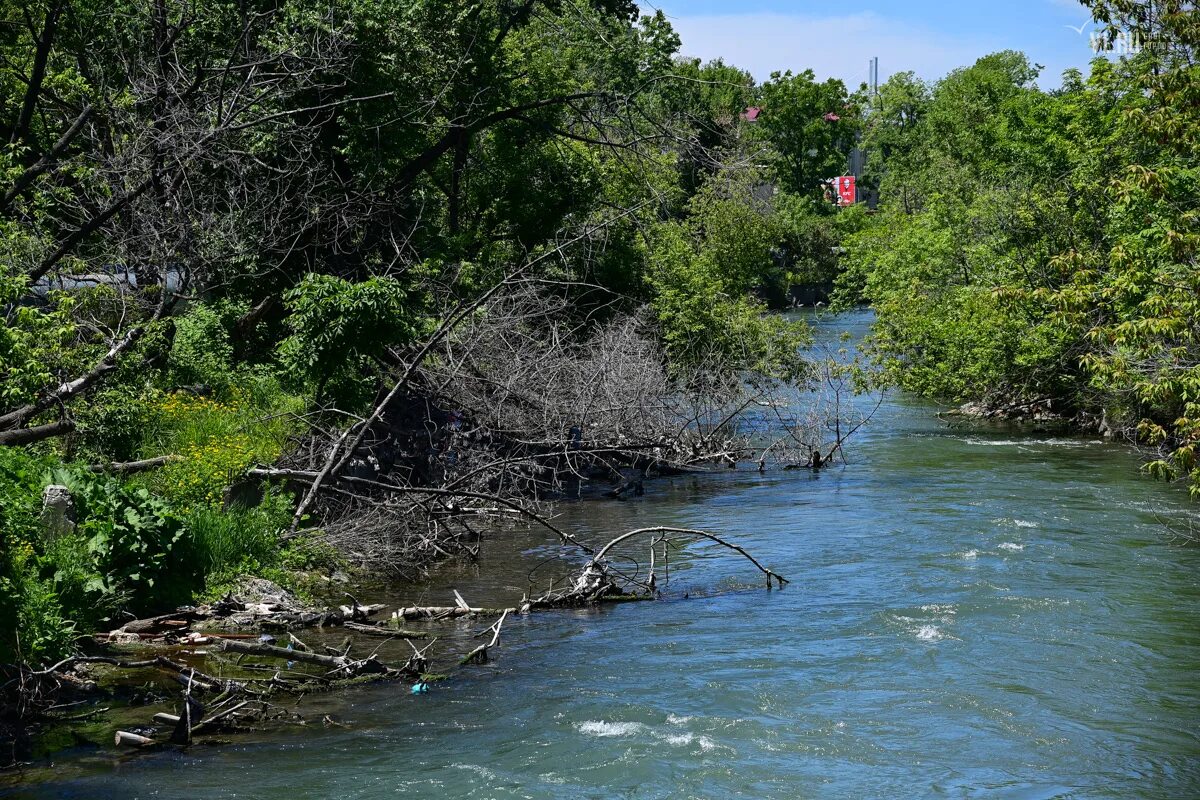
163,623
599,557
446,612
383,631
344,666
218,717
130,467
231,612
480,654
127,739
357,612
596,583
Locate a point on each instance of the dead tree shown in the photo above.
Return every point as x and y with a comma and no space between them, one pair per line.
596,582
809,425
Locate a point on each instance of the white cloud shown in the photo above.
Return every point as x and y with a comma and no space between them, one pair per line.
836,46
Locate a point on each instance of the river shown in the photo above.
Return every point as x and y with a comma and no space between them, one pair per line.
973,613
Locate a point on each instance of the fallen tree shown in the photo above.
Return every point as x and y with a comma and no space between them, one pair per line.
597,581
241,693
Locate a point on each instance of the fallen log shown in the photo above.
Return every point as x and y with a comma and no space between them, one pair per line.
383,631
130,467
446,612
595,583
175,621
599,556
357,612
344,665
189,680
127,739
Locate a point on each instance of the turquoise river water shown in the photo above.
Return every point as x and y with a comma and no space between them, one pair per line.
973,613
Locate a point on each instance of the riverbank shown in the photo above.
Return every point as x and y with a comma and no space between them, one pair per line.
973,611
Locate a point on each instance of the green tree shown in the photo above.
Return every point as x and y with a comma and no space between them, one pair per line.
811,127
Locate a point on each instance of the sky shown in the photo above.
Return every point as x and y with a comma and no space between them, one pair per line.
838,39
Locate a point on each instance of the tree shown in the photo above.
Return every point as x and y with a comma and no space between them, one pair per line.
810,126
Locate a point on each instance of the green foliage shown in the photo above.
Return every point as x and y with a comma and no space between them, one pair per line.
130,552
32,340
224,544
1039,245
118,421
121,555
811,126
130,536
811,233
202,350
39,631
217,439
702,272
31,624
339,328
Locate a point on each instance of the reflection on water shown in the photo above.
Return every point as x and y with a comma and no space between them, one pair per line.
971,614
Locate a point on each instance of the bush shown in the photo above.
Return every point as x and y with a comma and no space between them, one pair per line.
131,552
202,352
338,328
116,422
129,537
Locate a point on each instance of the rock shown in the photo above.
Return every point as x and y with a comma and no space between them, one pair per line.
58,511
121,637
258,592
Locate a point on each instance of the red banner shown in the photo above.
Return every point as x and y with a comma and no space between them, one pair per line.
845,190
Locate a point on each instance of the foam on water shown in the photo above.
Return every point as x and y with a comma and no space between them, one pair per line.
973,440
1012,547
1016,523
940,608
930,633
605,729
1029,443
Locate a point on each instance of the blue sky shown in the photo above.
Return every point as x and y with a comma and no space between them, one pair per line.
929,37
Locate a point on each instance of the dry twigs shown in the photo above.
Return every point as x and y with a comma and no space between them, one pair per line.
596,582
480,654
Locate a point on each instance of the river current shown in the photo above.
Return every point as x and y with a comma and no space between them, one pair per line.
973,613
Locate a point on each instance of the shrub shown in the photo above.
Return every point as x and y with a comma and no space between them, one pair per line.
338,328
202,352
129,537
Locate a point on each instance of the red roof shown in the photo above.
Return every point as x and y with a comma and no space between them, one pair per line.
751,113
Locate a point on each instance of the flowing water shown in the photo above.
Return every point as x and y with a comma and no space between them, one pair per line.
972,613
